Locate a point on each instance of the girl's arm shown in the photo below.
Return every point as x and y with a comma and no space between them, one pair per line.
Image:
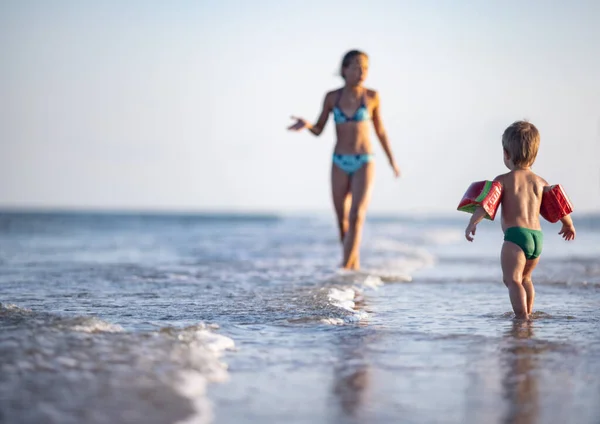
382,134
319,126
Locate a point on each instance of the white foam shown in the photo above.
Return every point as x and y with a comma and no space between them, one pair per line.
94,325
342,298
333,321
376,277
193,386
193,383
394,262
372,282
59,363
216,343
345,298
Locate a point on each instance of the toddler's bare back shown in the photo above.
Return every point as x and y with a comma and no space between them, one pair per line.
521,199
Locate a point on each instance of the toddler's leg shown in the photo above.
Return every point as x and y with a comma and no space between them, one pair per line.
513,263
528,284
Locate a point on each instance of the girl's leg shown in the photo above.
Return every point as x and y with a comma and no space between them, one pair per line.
340,190
361,188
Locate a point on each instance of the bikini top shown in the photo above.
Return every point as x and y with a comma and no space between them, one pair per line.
361,114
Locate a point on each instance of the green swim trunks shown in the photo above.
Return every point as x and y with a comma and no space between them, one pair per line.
530,241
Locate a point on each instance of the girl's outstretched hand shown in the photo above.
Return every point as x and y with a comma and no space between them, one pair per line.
300,124
396,169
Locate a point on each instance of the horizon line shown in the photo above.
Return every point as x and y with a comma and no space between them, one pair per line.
406,214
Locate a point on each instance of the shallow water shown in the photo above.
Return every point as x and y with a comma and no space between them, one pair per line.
126,319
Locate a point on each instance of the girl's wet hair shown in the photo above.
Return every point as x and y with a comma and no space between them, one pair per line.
347,60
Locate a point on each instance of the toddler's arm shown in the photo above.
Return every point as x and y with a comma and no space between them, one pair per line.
476,218
568,229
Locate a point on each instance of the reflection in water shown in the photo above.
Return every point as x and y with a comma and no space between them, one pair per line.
350,387
520,382
352,373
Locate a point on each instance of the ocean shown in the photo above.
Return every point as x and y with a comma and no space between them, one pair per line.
181,318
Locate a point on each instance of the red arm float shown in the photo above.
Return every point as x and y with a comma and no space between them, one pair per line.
486,194
555,204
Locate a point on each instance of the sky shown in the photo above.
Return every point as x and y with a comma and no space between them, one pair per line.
183,105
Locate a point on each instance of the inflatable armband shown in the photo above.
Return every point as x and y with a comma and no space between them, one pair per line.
555,204
486,194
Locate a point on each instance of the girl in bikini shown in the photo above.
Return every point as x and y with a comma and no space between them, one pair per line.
353,169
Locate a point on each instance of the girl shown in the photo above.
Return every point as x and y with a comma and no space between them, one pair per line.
353,169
